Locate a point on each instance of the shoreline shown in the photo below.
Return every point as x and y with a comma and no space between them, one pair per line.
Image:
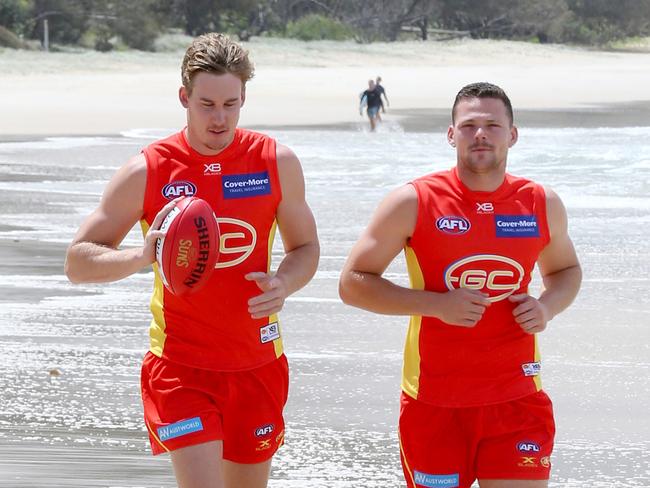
424,120
611,115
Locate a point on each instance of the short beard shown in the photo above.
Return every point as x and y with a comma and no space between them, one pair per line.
483,165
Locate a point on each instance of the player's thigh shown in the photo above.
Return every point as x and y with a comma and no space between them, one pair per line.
253,420
182,405
513,483
518,442
436,449
199,466
239,475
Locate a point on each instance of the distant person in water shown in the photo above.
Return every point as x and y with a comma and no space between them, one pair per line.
382,92
371,98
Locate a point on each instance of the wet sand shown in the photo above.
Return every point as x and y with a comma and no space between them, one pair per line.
628,114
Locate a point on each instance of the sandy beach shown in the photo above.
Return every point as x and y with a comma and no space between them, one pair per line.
299,84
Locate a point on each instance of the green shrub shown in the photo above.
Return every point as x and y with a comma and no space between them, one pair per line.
9,39
316,27
138,33
15,15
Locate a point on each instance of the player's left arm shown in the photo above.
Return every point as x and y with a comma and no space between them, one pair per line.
299,237
560,270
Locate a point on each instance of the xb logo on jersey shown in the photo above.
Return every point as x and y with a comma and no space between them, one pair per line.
486,207
495,275
212,169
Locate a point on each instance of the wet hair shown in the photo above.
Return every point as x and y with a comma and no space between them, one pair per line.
217,54
482,90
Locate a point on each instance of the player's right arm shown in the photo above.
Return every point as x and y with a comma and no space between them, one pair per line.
93,256
362,284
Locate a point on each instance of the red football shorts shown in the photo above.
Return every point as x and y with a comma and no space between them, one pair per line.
451,447
185,406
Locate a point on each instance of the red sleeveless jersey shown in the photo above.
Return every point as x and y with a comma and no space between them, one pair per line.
212,328
487,241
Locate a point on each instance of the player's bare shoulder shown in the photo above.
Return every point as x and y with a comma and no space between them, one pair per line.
399,210
286,158
404,196
134,172
128,184
290,172
555,213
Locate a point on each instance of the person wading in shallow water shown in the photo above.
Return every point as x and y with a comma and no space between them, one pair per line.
371,99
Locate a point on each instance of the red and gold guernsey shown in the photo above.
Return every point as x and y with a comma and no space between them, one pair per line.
487,241
212,328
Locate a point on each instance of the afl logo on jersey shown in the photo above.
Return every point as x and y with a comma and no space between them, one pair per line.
495,275
453,225
178,189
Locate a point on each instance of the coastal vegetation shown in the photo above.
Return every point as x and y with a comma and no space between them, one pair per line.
106,25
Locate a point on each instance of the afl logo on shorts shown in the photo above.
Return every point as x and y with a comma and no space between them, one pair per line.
527,446
453,225
264,430
178,189
495,275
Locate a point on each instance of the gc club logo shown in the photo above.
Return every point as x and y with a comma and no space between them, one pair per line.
237,242
495,275
453,225
178,189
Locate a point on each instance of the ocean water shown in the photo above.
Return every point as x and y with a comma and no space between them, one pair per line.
83,427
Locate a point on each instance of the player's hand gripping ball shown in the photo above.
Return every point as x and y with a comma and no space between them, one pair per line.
187,254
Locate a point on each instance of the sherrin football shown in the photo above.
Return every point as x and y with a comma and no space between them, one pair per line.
187,254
